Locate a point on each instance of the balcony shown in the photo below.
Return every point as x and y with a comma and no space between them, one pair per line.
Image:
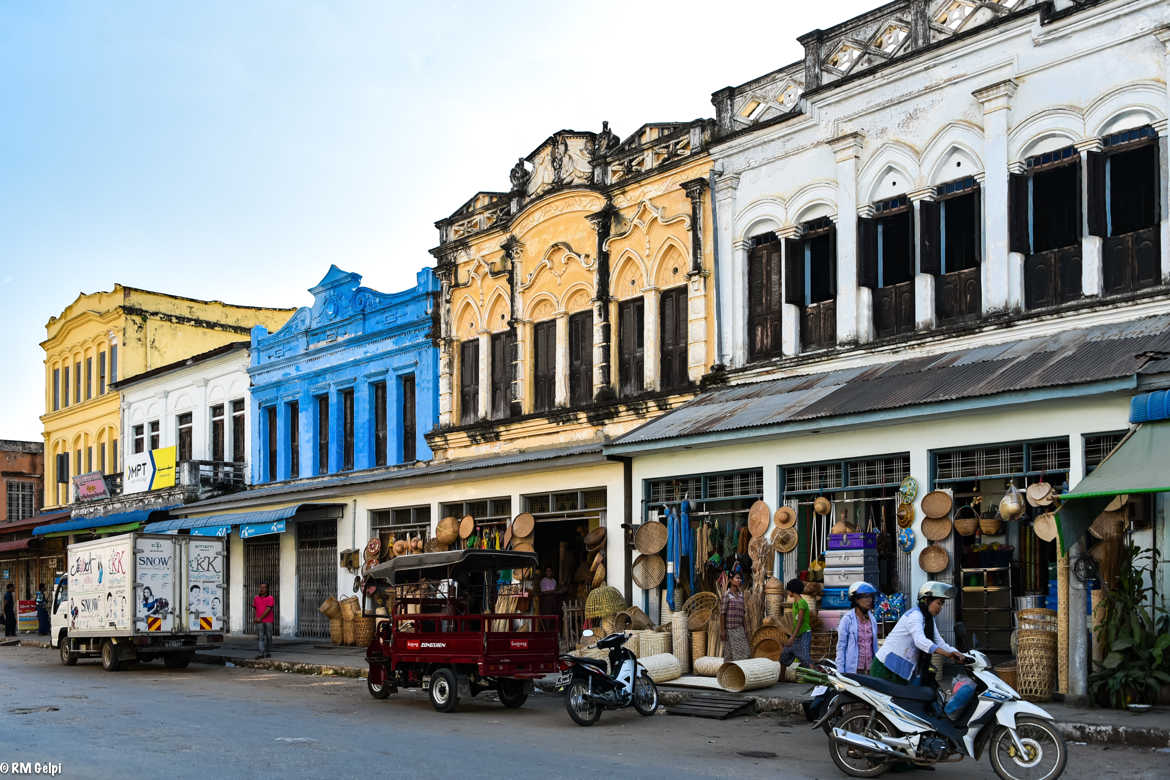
1131,262
818,325
211,475
1053,277
958,296
893,309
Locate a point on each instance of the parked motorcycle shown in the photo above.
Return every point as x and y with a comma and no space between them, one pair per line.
589,688
874,724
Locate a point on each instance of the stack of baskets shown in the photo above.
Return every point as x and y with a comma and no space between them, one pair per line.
350,609
331,609
773,598
1036,653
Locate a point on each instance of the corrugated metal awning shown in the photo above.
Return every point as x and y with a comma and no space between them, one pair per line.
119,521
212,525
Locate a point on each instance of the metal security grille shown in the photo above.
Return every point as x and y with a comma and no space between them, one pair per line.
879,471
742,483
1048,456
261,565
1098,445
316,576
817,477
981,461
665,490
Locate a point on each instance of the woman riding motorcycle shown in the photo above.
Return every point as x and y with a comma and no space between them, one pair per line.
905,656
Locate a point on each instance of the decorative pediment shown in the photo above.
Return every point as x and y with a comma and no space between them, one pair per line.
562,160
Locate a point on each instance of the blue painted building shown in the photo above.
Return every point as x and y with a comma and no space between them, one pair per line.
350,383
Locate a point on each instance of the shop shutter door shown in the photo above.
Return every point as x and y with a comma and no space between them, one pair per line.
316,576
261,564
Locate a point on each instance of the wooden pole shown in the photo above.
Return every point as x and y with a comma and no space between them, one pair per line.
1062,607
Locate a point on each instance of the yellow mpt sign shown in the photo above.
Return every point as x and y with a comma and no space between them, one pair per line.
164,468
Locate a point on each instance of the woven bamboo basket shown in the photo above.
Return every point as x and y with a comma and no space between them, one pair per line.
330,608
990,525
363,631
767,648
603,601
773,604
662,667
698,645
708,665
1007,672
654,643
1036,665
701,600
347,633
1037,619
335,633
681,640
638,619
748,675
600,655
823,645
349,608
634,643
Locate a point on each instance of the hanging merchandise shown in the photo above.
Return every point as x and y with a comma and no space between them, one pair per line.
905,515
785,517
1040,494
906,539
758,518
908,490
1011,506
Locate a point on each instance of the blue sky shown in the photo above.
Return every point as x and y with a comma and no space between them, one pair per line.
233,151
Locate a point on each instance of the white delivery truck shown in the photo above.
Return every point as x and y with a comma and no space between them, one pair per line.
140,596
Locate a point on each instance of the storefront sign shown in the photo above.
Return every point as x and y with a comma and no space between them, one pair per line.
26,615
152,470
261,529
212,530
90,487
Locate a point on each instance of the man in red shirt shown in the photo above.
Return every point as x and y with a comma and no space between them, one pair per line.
264,608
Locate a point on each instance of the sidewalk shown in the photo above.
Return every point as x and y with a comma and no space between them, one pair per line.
304,656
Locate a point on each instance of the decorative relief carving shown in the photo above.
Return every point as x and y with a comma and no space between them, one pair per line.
556,260
644,216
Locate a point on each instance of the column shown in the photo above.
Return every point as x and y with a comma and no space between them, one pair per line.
1164,196
1091,246
394,418
789,312
849,331
615,331
1079,643
1002,271
363,425
235,582
601,329
696,325
725,188
651,347
446,367
736,310
307,431
485,375
924,314
561,381
286,589
521,389
336,430
920,470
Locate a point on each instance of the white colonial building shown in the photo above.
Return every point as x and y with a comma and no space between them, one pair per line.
943,252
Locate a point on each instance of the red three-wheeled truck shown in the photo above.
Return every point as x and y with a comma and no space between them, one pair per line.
449,622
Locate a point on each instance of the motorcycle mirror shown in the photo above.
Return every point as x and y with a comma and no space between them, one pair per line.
587,632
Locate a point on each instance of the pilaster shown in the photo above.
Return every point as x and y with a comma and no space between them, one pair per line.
651,348
1002,275
846,149
789,313
1091,246
924,300
561,380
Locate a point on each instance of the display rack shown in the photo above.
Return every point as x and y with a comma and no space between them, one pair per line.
986,607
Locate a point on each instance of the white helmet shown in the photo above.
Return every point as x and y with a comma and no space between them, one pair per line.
859,589
933,589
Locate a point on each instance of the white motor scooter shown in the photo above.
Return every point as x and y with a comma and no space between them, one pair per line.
873,724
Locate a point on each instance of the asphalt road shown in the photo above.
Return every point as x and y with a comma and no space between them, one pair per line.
227,722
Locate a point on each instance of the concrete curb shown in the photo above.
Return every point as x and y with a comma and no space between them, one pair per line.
271,664
1108,734
43,643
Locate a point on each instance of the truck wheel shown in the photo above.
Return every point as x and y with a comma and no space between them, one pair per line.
67,658
176,660
110,660
512,693
378,690
444,690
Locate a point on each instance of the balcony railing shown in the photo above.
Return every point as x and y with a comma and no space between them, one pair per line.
958,296
818,325
893,309
1132,262
1052,277
211,475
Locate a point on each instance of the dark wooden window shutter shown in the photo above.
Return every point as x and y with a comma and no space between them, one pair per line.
833,259
581,358
929,259
630,346
794,271
1018,214
469,380
545,364
764,300
867,255
673,330
977,228
501,381
1098,223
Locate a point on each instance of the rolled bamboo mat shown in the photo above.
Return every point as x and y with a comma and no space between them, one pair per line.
662,667
1098,619
714,626
748,675
708,666
698,644
1061,627
681,639
653,643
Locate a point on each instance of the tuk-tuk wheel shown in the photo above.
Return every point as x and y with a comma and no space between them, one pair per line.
378,690
444,690
512,693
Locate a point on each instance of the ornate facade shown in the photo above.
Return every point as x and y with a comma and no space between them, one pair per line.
582,298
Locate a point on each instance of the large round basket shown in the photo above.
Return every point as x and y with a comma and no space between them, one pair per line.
654,643
1007,672
699,618
466,526
704,599
603,601
650,537
335,632
662,667
648,571
347,632
933,559
773,604
748,675
447,531
1036,619
935,529
759,518
785,541
523,525
595,538
639,620
936,504
773,585
330,608
767,648
708,665
363,631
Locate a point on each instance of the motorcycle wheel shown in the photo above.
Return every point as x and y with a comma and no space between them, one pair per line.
857,764
378,690
645,695
582,711
1046,757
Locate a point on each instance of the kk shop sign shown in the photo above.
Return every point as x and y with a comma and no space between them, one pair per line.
152,470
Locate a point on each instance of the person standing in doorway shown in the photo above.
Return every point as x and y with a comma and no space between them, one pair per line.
10,610
264,609
42,611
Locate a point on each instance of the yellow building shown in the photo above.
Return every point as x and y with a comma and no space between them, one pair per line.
104,336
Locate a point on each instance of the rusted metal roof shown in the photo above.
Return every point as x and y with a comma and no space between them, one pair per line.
1068,358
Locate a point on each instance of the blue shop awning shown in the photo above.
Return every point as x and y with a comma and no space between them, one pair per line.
121,521
256,523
